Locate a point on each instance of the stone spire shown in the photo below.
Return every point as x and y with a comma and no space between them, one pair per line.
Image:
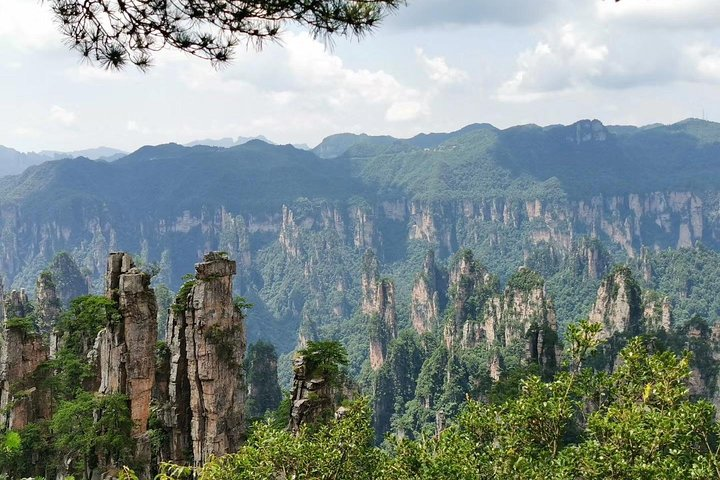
425,305
48,303
127,347
378,305
21,353
618,306
206,334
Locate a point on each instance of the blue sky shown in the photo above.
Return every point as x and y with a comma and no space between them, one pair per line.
436,65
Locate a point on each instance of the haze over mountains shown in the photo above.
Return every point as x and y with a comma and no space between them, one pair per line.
300,221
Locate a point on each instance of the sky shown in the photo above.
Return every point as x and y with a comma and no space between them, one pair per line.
435,65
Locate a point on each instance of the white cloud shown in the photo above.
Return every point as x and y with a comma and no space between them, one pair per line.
566,61
62,116
438,70
27,24
673,14
450,13
703,62
90,73
405,110
324,76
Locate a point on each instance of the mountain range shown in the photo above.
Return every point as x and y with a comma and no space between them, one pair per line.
299,222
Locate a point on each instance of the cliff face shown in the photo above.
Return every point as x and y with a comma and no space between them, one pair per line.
127,348
22,351
69,281
341,231
425,304
207,345
312,396
522,315
470,287
657,312
48,303
618,307
378,306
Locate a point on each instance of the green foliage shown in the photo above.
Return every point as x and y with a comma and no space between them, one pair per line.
10,449
85,317
340,450
261,376
92,425
637,422
25,325
224,339
180,305
691,278
525,280
241,305
162,354
66,374
325,359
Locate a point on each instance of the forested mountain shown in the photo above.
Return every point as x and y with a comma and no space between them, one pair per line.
433,276
567,201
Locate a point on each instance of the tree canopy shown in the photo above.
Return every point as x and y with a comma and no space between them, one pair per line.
114,33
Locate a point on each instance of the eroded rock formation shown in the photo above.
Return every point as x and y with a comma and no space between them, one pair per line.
378,305
312,396
126,349
618,306
425,304
471,285
48,303
22,351
522,315
207,345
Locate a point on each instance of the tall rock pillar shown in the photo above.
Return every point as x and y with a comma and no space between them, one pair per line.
207,345
21,353
127,347
378,305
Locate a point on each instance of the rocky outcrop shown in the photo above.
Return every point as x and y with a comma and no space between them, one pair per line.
126,349
618,306
592,258
207,344
364,236
523,314
425,304
657,312
471,285
68,279
16,305
178,412
312,396
21,353
378,305
289,233
48,303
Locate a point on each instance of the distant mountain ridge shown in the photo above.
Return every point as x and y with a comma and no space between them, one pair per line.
14,162
298,222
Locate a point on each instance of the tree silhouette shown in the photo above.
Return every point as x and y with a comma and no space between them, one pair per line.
114,33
